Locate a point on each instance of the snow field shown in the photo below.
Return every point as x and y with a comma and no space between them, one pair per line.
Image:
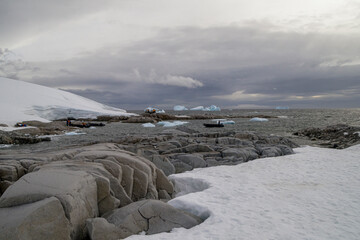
313,194
22,101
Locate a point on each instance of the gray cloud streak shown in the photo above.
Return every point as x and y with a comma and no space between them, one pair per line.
208,62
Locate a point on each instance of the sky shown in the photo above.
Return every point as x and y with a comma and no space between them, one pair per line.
231,53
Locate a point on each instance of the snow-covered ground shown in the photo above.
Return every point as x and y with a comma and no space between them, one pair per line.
313,194
22,101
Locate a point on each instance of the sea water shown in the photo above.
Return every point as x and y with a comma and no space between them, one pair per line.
283,123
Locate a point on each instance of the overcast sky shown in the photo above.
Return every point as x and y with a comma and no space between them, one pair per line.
232,53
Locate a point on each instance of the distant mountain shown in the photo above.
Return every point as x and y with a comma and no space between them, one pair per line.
22,101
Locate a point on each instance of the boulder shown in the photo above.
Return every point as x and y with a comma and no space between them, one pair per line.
4,185
41,220
101,229
193,160
151,216
241,154
164,164
270,151
76,190
8,173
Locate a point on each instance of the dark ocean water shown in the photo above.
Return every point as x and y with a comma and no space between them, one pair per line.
286,123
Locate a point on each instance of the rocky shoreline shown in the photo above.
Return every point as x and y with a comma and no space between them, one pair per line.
114,190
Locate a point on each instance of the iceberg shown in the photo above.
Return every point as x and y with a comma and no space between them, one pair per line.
199,108
147,125
212,108
180,108
153,110
171,124
257,119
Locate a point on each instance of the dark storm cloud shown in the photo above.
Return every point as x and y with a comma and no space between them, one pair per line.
267,66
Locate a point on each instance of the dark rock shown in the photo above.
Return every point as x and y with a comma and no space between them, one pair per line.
335,136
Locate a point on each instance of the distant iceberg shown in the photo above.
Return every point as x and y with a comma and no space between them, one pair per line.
153,110
212,108
171,124
147,125
180,108
282,108
257,119
199,108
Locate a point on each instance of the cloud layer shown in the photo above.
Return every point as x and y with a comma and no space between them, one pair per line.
254,62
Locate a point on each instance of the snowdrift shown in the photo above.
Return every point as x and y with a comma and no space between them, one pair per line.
22,101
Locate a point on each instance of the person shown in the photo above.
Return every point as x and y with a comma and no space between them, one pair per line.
68,122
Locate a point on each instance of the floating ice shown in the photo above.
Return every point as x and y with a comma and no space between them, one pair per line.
171,124
180,108
199,108
257,119
147,125
5,145
212,108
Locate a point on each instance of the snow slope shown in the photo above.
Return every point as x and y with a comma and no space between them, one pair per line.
22,101
313,194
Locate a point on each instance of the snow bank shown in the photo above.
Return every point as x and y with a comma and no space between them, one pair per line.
22,101
313,194
147,125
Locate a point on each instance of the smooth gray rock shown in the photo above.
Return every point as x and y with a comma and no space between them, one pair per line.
41,220
193,160
164,164
76,190
242,154
8,173
151,216
101,229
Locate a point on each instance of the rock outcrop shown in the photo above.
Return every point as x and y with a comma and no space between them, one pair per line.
87,182
149,216
336,136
